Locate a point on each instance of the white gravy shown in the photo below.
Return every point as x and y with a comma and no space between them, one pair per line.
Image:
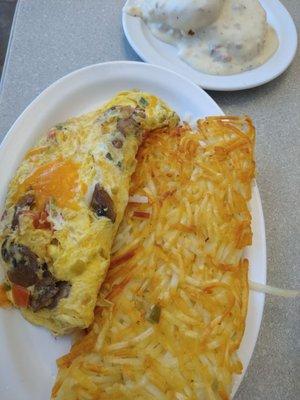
219,37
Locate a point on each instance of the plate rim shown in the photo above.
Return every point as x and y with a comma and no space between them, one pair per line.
221,81
9,137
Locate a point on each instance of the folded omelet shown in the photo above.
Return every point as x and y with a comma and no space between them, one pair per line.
64,206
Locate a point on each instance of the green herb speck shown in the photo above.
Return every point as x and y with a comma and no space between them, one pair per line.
143,102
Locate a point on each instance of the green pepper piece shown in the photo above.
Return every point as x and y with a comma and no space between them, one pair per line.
154,314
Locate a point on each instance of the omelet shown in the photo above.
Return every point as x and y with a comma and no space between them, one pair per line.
64,206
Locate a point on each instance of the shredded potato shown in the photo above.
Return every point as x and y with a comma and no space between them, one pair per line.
258,287
171,312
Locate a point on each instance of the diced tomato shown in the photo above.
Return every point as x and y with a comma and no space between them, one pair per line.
20,296
141,214
51,134
40,221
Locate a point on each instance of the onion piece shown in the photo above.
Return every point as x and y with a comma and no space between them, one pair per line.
136,198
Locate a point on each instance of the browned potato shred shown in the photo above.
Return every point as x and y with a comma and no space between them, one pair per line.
186,260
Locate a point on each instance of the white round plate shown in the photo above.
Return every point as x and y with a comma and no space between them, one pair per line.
154,51
28,353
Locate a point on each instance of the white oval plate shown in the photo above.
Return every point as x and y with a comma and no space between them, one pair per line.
28,353
154,51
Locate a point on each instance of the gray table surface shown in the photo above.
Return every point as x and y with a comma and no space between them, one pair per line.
53,37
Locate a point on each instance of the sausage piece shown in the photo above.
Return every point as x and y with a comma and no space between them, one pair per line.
102,204
47,292
129,123
127,118
128,126
23,263
27,270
